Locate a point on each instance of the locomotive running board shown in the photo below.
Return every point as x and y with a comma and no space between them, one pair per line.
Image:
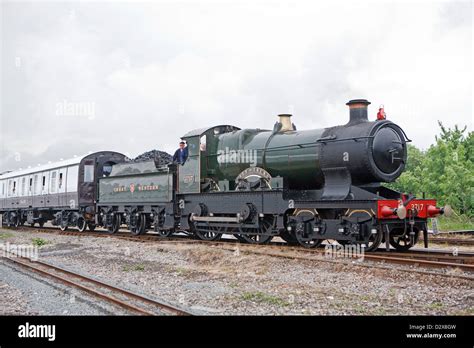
337,183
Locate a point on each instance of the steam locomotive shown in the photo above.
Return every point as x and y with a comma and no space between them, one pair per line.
303,186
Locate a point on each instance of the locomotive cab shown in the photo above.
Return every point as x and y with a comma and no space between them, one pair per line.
194,174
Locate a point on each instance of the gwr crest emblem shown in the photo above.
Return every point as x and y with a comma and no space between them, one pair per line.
132,188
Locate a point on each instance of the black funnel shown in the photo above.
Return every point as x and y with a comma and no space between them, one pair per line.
358,110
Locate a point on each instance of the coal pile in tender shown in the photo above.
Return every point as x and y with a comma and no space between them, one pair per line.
161,158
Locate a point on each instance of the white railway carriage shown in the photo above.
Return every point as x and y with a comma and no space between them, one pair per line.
63,192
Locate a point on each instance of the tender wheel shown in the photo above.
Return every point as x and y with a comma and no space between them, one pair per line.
91,227
41,223
403,242
81,224
140,227
115,226
158,223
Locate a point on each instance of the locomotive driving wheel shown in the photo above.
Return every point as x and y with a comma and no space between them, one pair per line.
402,241
261,234
374,241
240,238
211,233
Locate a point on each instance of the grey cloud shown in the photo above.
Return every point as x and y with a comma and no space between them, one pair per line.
154,71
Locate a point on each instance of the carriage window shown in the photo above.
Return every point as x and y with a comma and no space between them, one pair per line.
53,182
36,184
44,181
60,180
3,188
31,185
14,186
23,185
88,173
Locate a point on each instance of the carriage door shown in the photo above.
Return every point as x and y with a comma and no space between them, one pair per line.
44,184
62,199
31,191
87,187
189,180
53,200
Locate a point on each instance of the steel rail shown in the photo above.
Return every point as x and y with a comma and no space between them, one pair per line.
70,278
418,257
453,241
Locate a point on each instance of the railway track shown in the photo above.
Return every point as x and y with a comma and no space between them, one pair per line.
183,238
464,262
452,241
126,299
441,259
452,232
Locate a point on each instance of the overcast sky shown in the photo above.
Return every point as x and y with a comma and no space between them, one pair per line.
130,77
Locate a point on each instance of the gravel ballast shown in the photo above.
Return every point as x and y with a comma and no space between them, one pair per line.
210,280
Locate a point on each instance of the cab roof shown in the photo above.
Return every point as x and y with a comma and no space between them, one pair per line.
217,130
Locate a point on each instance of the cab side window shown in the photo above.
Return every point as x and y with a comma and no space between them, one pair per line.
202,143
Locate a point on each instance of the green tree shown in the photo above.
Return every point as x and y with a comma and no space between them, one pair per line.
445,171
